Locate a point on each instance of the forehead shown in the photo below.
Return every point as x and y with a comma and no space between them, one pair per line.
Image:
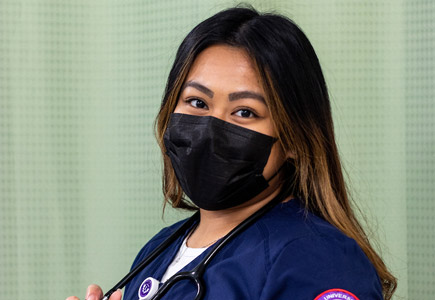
223,65
216,53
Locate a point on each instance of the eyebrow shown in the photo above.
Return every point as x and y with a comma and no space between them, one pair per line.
246,94
199,87
231,97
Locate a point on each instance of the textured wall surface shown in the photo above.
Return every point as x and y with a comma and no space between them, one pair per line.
420,147
80,85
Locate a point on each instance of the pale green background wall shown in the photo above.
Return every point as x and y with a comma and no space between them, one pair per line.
81,82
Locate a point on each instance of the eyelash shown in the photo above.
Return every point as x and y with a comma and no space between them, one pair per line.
190,100
250,110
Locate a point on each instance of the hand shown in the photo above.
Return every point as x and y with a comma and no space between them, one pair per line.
94,292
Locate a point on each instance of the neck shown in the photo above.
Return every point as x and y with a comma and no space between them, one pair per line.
215,224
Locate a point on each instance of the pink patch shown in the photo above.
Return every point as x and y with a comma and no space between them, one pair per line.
336,294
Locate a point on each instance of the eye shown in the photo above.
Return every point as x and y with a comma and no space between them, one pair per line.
245,113
197,103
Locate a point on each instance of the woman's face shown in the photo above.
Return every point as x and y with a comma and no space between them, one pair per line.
223,83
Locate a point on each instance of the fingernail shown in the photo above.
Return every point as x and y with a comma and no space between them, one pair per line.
90,296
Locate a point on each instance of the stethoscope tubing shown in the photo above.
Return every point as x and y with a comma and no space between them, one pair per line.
153,255
190,275
196,274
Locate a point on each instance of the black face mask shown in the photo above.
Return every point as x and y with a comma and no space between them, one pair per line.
218,164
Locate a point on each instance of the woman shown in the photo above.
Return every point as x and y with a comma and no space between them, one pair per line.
246,119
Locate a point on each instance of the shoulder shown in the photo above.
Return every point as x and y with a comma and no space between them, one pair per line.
309,256
289,224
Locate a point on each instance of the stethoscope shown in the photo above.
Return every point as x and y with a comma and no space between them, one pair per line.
194,275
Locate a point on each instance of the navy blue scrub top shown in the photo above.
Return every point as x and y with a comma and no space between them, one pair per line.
287,254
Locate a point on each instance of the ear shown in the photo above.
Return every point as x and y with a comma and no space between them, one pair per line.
290,154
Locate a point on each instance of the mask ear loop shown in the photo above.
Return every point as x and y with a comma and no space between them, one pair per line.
290,189
279,169
276,173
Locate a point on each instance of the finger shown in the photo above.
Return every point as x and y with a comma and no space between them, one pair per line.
117,295
72,298
94,292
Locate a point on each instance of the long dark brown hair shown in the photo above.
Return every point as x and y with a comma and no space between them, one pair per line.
297,97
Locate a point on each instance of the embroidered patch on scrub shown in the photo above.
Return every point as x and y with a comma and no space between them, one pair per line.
336,294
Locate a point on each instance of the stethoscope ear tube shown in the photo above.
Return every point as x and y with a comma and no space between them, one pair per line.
156,252
237,230
189,275
196,274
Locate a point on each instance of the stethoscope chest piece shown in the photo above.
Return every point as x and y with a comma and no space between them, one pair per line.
148,288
